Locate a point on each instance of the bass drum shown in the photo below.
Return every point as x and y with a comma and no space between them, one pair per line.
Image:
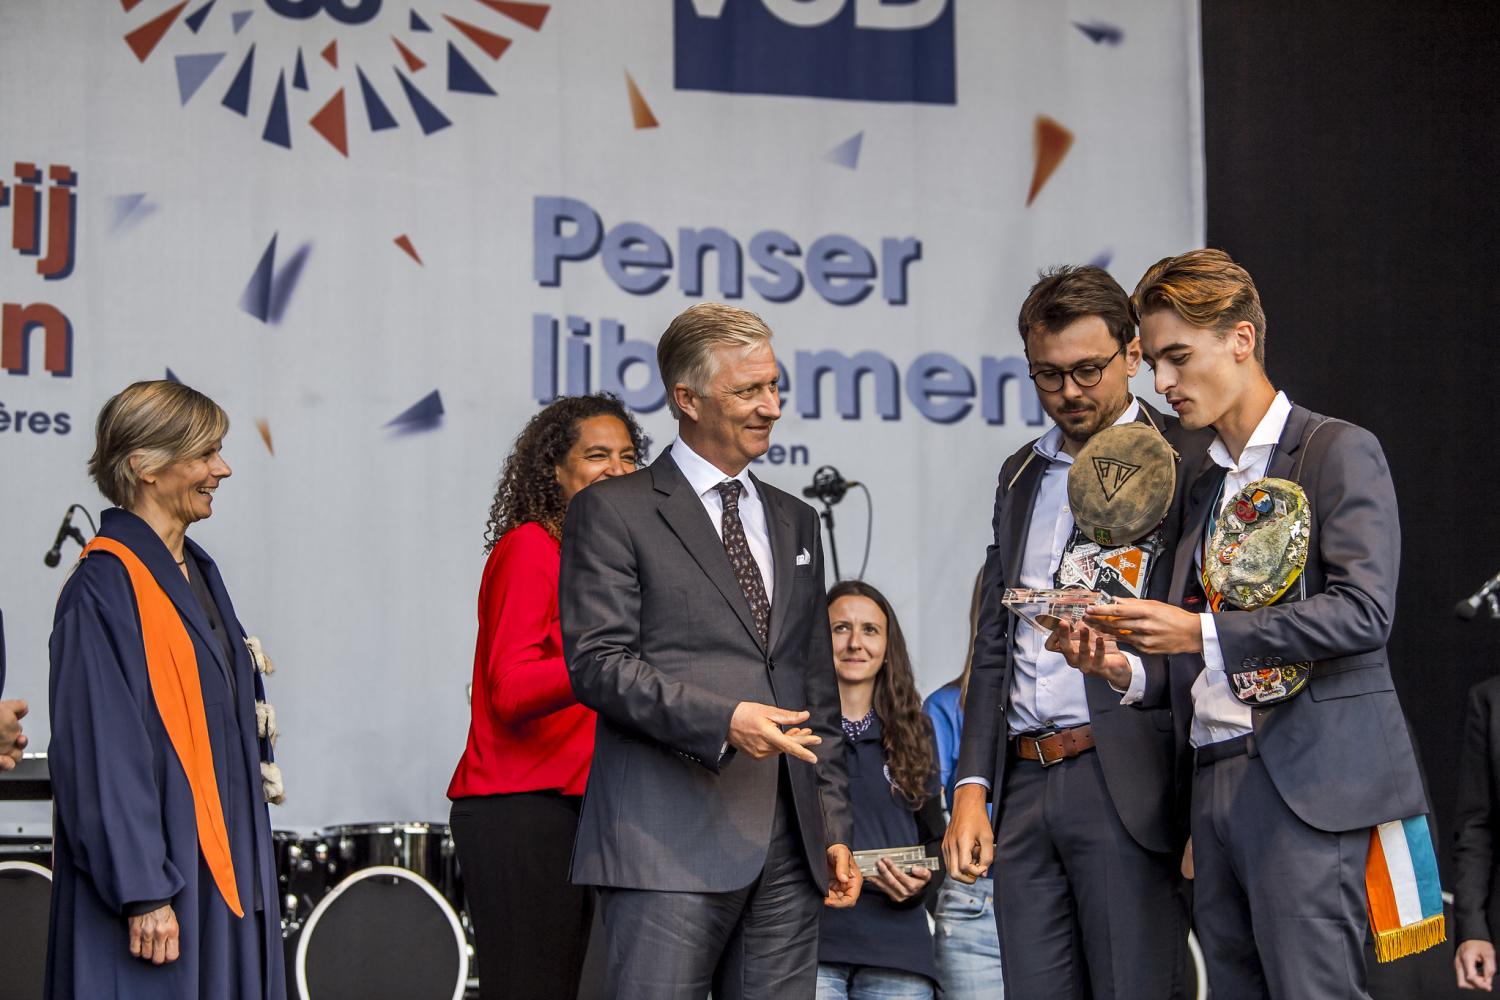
385,933
424,848
25,900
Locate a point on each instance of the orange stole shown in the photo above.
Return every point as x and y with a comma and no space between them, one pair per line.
172,666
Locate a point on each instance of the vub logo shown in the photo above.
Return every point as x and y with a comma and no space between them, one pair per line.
865,50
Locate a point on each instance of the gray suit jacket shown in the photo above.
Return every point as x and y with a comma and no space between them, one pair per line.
1135,745
1339,753
660,642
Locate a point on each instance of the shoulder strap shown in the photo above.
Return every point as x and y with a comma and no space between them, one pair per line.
172,666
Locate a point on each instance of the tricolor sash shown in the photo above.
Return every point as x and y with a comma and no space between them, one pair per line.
172,666
1405,897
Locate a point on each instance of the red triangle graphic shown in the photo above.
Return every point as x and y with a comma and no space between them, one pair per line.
412,62
404,242
329,122
1053,140
331,53
130,5
143,39
492,44
530,14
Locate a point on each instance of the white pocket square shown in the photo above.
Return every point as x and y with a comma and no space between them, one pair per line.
804,557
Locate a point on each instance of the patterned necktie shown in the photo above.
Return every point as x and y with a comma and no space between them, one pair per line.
746,569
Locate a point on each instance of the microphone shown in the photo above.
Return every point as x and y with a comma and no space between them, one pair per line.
1469,606
64,532
828,486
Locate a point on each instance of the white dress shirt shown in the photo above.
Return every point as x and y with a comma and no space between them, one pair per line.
704,477
1217,714
1045,692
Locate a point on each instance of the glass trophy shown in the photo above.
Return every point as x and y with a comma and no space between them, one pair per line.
904,858
1046,609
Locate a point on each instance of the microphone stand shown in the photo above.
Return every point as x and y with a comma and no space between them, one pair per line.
833,545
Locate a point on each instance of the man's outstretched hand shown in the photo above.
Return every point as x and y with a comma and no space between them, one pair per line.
756,730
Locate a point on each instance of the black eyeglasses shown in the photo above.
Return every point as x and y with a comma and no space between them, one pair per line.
1084,376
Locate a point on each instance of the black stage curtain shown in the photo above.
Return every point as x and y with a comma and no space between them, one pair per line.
1353,152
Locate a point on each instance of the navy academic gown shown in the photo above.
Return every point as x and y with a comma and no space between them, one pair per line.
124,830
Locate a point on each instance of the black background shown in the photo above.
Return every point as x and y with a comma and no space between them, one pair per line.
1351,168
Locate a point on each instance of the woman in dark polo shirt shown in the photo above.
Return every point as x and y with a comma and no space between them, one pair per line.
882,947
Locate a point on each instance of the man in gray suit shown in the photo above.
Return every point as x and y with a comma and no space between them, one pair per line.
1085,839
695,623
1283,795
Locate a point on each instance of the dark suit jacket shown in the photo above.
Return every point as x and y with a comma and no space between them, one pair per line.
1476,904
1339,753
660,642
1135,746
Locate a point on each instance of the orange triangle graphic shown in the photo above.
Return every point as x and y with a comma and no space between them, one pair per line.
1127,562
640,111
331,53
1052,144
265,435
530,14
404,242
492,44
330,123
143,39
412,62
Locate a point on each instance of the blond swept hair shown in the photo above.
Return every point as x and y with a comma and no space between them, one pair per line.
1207,289
685,353
161,421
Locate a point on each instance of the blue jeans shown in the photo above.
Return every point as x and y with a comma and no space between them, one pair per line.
838,981
967,941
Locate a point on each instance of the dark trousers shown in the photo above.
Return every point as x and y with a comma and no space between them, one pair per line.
1084,911
531,928
755,943
1279,907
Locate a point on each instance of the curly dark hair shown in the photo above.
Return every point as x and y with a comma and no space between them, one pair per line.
528,489
906,732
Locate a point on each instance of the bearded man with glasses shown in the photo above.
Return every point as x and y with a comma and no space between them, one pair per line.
1086,835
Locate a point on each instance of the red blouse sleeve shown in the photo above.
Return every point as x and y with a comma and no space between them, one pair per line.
518,613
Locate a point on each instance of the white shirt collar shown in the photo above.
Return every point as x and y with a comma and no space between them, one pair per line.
1050,444
1266,435
701,474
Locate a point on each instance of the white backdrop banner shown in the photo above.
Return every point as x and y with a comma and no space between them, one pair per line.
380,233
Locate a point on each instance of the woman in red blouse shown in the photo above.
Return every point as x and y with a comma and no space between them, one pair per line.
517,789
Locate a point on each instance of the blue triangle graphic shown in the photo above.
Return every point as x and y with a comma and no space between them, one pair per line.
417,24
463,78
195,20
423,415
1102,258
278,129
1106,34
238,19
428,116
299,75
192,70
124,206
237,98
257,298
172,377
380,116
846,153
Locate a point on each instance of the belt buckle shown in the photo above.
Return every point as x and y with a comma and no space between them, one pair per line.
1041,755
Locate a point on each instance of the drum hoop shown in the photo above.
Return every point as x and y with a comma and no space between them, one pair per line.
26,866
372,872
378,829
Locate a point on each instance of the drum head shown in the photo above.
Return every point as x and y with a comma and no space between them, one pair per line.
384,934
25,899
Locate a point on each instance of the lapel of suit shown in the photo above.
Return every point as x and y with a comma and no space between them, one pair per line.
783,557
683,511
1283,464
1202,489
1015,524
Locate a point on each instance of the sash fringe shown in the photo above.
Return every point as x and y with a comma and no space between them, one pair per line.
1404,941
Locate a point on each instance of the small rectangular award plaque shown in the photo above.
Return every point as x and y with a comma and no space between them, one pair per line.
1044,609
902,857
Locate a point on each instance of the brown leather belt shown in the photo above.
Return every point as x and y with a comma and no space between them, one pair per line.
1054,747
